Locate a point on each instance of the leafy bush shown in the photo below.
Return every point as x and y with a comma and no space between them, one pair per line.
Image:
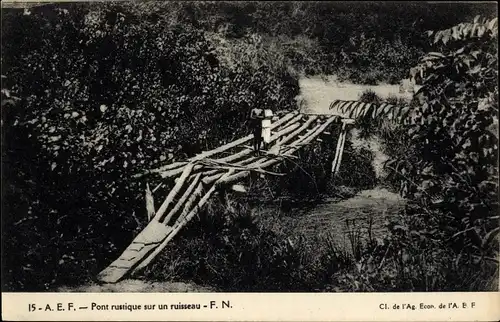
458,174
409,260
394,138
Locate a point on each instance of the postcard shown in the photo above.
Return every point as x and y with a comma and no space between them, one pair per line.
250,160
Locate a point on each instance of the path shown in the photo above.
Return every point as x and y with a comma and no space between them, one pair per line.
134,285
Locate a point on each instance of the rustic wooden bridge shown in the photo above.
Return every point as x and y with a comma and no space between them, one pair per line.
197,178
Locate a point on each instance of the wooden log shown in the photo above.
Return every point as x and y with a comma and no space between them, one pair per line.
256,162
299,130
160,246
239,188
242,140
241,163
195,182
341,151
291,136
337,150
283,149
256,169
179,224
290,127
210,172
178,185
294,134
157,187
174,165
192,199
183,219
207,170
220,149
212,175
296,145
150,234
143,244
221,170
301,139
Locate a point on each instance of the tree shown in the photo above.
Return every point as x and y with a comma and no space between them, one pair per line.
452,127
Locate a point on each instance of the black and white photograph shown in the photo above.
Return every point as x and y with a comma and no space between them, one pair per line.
249,146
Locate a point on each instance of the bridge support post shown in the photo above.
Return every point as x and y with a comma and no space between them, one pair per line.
340,146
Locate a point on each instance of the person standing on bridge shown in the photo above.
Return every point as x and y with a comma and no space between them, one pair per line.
256,117
266,128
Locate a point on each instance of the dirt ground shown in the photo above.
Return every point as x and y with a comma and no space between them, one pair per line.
134,285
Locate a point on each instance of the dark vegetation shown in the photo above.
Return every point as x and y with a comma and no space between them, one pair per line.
449,173
93,94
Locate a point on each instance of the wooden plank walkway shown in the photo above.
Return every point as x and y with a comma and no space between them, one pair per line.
197,178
